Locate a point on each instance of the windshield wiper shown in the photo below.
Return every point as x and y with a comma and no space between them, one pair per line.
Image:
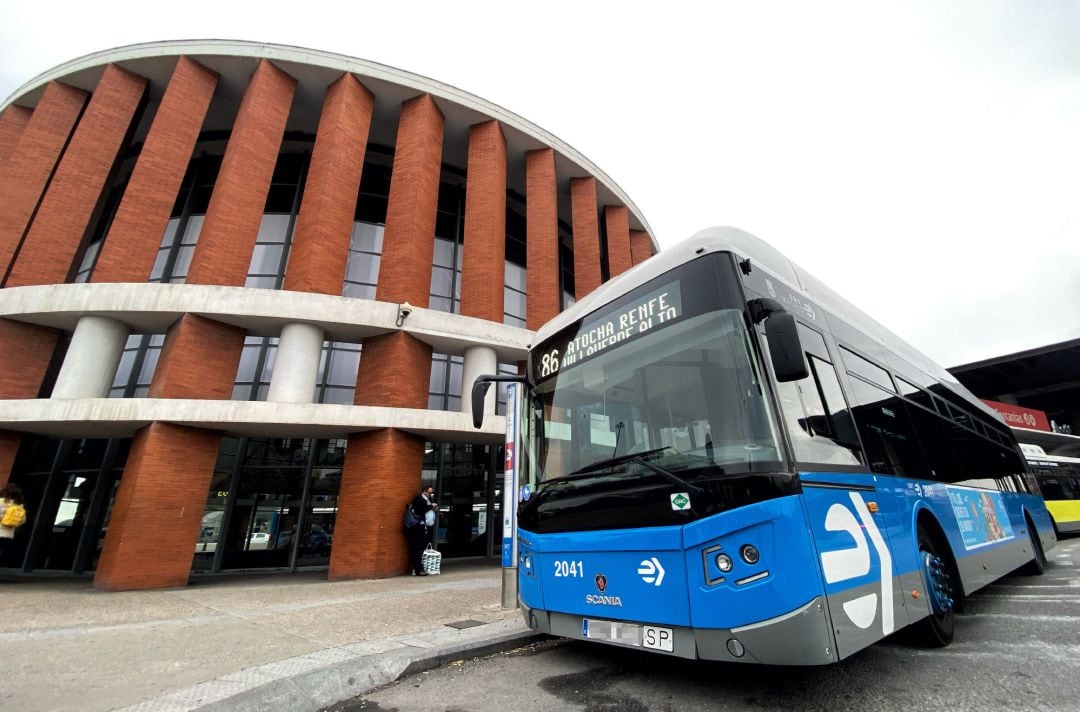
616,460
638,458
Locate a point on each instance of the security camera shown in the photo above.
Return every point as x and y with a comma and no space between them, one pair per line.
403,310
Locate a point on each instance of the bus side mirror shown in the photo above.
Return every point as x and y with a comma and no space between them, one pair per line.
782,333
788,361
479,392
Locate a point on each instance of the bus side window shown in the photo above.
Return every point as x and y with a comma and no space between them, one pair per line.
935,435
817,417
887,434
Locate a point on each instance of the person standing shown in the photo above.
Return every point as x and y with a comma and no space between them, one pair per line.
11,498
422,505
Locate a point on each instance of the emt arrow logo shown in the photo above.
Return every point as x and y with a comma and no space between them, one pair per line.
651,571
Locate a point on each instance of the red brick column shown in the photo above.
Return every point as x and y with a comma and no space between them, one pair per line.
9,447
409,238
382,473
129,250
198,360
402,379
617,222
24,178
159,507
53,239
25,352
541,238
482,262
640,246
12,122
586,236
383,466
394,369
170,467
228,235
320,247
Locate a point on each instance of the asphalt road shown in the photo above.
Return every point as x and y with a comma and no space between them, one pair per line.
1017,647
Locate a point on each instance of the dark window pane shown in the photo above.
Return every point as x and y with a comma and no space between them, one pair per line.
280,198
887,434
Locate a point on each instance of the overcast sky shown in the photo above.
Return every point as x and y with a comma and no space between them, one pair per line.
922,158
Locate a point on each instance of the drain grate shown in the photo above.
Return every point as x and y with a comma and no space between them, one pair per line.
464,624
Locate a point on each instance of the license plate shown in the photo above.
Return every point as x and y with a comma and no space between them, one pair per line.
634,634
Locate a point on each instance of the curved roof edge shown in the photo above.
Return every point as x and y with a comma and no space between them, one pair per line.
333,60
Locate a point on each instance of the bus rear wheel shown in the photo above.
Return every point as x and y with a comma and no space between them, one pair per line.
936,630
1037,565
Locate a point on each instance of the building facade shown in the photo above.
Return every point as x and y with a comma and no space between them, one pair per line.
244,287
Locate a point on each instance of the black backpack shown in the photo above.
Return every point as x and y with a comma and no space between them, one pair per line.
411,520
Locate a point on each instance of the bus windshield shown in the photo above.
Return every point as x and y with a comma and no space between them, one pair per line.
657,395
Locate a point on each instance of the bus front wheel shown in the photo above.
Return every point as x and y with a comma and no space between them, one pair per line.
936,630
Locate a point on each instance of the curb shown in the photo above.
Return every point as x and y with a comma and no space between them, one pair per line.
318,680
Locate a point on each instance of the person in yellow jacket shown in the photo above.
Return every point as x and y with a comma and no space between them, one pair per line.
10,497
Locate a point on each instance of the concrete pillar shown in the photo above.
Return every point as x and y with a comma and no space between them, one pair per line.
92,358
130,248
297,364
478,360
586,236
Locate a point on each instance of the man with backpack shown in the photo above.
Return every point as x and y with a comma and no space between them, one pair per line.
418,513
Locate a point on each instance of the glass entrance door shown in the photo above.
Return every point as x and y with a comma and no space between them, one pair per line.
465,492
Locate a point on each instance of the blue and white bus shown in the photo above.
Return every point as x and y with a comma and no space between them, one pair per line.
728,461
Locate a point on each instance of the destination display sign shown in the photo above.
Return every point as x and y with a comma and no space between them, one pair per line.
598,333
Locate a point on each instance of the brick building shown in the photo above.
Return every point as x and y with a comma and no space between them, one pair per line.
244,287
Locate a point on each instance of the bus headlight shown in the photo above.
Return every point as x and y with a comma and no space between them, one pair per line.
724,563
750,554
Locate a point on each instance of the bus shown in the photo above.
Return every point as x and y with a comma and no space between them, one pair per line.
725,460
1059,481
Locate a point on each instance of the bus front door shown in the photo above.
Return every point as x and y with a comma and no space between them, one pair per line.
856,560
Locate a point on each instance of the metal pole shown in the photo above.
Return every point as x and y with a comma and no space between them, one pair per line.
511,473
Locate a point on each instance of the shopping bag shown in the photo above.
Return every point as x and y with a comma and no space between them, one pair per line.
432,560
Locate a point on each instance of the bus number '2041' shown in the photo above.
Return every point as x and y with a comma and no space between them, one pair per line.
567,569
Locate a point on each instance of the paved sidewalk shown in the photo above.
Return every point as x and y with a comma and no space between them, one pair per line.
295,642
